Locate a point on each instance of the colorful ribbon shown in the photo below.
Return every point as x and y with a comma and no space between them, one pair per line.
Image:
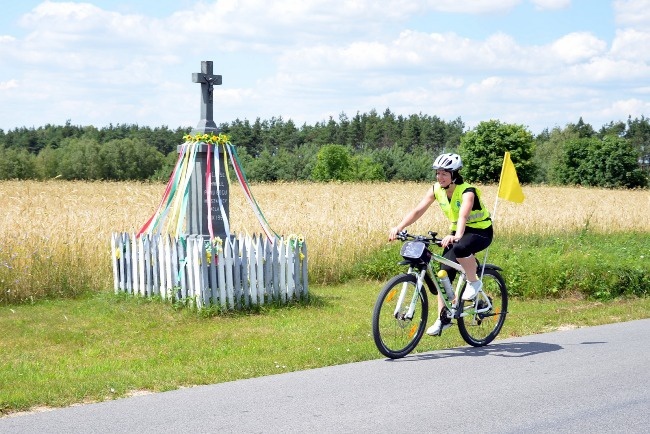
172,209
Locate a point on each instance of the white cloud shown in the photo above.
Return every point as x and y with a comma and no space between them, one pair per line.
473,7
621,109
487,87
551,4
578,47
631,44
632,13
447,82
269,25
604,69
11,84
420,54
77,36
69,17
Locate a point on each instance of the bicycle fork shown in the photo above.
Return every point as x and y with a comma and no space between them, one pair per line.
408,315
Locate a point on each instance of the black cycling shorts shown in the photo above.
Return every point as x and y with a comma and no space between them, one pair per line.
472,241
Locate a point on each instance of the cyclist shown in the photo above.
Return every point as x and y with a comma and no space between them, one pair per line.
471,226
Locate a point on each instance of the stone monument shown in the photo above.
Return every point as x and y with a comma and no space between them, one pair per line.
200,202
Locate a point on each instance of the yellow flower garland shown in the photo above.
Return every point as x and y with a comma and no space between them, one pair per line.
210,138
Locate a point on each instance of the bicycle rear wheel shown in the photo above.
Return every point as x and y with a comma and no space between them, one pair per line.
481,325
396,332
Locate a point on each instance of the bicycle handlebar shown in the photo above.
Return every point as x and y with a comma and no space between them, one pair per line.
431,239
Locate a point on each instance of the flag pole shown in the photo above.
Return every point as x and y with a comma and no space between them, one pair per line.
496,201
494,214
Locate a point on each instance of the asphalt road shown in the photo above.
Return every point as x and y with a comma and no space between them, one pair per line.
593,379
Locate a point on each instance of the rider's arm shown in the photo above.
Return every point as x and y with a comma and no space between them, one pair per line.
413,215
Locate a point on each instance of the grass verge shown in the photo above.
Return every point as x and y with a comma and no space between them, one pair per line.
98,347
583,264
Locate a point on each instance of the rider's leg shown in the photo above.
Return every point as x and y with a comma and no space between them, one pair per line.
465,249
474,285
469,244
437,326
469,265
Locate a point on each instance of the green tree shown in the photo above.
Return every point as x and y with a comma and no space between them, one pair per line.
364,168
17,164
164,172
372,130
611,162
583,129
47,163
548,151
411,133
638,132
344,135
391,159
333,163
415,166
123,159
612,129
261,168
482,150
296,164
79,159
356,133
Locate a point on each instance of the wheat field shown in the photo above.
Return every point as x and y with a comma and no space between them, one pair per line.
65,227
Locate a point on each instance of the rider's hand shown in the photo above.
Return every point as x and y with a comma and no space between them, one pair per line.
449,239
392,234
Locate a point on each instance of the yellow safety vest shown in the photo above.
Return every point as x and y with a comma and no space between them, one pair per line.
479,219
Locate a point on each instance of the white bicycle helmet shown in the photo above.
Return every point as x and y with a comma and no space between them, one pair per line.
450,162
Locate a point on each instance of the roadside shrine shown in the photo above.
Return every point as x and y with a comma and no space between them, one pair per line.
186,252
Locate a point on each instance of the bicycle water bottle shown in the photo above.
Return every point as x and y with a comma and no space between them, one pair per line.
446,283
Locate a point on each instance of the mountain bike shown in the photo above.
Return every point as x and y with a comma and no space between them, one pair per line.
401,312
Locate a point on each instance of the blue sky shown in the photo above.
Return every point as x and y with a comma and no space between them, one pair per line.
538,63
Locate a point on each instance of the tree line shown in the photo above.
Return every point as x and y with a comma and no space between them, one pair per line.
366,147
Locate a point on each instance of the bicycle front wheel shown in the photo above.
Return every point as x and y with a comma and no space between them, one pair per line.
400,316
481,320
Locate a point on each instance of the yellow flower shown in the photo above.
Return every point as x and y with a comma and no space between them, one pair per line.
210,138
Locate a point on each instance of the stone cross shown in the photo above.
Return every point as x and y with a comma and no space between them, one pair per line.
207,80
198,204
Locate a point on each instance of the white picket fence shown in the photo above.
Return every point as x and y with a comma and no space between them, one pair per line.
247,270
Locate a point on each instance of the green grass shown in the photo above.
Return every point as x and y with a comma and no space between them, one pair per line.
584,264
101,346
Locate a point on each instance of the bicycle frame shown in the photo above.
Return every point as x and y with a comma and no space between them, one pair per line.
451,305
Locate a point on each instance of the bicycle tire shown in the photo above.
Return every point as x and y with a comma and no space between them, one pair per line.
479,329
395,335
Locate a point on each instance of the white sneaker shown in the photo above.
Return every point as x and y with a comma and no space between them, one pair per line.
471,289
437,328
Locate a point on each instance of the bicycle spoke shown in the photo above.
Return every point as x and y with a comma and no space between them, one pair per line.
482,320
397,324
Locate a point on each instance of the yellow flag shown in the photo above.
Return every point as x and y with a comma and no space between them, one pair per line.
509,188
